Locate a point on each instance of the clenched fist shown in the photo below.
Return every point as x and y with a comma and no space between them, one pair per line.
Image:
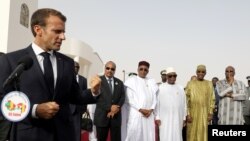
95,84
47,110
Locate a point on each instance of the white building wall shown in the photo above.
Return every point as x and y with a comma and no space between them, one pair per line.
13,35
97,67
4,24
90,62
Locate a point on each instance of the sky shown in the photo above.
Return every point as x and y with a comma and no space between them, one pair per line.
166,33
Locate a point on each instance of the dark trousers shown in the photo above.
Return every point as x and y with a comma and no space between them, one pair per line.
115,133
184,134
247,120
215,117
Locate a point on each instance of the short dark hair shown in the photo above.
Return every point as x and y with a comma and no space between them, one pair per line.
39,17
215,78
248,78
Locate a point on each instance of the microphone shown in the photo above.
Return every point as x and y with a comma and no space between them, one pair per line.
23,64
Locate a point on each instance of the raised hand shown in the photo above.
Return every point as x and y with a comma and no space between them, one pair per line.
95,84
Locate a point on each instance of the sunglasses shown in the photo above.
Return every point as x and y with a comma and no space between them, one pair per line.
143,69
108,68
201,72
170,76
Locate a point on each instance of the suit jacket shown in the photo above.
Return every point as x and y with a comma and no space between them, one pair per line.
32,83
105,101
78,110
83,86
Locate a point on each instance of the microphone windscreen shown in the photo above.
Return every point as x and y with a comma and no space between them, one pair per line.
26,61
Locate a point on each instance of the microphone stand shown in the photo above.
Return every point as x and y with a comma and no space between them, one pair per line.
17,88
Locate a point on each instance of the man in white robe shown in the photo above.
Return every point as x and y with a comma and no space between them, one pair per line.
140,101
171,108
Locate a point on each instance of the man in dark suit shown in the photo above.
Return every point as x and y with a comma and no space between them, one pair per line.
50,117
108,107
78,110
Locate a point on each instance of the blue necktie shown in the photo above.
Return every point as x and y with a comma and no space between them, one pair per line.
48,72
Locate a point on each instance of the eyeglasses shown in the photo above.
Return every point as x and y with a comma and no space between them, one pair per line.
170,76
108,68
143,69
229,71
201,72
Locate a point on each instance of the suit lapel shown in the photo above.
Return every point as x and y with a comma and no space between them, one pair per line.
37,69
59,70
80,82
115,86
106,85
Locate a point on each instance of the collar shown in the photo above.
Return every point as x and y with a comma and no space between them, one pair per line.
112,78
39,50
